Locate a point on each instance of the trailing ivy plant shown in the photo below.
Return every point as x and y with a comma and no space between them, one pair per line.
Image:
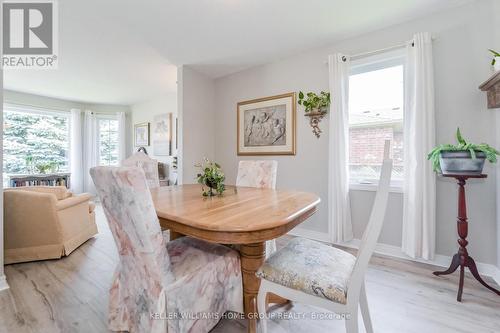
312,101
211,176
495,56
490,152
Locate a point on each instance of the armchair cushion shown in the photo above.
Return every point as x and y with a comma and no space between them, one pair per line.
314,268
73,201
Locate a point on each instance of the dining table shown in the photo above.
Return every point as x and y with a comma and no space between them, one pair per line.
243,216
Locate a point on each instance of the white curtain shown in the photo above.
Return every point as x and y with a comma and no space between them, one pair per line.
122,134
76,152
90,150
419,213
338,171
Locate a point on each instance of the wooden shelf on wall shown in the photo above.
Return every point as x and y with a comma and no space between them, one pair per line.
492,88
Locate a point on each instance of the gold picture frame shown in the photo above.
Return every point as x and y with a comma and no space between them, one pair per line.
267,126
142,134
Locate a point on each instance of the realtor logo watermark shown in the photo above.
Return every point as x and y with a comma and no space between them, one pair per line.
30,34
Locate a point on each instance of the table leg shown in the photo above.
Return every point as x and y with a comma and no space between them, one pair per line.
462,258
174,235
275,299
473,269
455,263
252,257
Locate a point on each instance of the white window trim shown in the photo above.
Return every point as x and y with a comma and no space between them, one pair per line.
394,188
372,63
35,110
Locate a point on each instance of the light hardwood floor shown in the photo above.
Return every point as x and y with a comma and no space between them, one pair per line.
71,295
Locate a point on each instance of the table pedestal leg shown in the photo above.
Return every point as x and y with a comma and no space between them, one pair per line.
462,258
275,299
252,257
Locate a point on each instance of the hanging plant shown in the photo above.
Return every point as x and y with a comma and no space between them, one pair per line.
315,107
313,102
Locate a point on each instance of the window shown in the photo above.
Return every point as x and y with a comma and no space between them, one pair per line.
35,141
108,141
376,94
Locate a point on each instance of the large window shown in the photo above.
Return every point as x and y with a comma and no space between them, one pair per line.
34,141
376,88
108,141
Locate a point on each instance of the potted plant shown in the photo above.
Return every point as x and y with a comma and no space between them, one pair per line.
494,62
212,177
462,158
315,107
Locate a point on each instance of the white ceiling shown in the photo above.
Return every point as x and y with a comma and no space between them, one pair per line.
125,51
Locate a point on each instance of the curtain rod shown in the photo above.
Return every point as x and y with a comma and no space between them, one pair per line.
55,109
385,49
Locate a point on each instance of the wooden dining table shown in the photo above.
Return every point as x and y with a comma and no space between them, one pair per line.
242,215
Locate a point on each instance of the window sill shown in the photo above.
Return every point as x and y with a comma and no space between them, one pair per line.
373,188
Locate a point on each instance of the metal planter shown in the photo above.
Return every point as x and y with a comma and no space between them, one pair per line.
461,162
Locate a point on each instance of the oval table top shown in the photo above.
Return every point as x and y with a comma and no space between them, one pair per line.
240,215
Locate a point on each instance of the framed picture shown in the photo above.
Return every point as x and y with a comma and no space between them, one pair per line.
266,126
141,134
162,135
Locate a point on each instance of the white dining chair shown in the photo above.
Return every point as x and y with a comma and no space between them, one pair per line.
147,164
259,174
324,276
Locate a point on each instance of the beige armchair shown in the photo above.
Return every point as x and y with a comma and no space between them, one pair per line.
45,222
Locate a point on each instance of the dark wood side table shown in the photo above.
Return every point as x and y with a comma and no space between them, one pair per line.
462,258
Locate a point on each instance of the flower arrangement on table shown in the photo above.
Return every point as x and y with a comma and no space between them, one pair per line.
211,178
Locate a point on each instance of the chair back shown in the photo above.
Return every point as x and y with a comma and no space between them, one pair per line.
149,165
260,174
372,231
128,206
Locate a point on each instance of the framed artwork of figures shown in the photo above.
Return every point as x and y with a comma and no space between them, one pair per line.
266,126
141,134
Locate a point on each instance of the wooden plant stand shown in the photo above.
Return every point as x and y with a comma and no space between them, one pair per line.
462,258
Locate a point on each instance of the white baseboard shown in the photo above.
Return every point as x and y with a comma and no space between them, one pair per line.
3,283
396,252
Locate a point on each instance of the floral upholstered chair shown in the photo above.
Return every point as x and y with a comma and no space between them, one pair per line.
260,174
157,281
149,165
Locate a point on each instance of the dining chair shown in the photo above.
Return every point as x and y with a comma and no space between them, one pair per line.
259,174
149,165
161,286
324,276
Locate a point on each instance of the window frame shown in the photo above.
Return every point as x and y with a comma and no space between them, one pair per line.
98,118
372,63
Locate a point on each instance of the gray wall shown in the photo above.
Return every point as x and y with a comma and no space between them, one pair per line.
496,44
145,112
461,63
196,121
